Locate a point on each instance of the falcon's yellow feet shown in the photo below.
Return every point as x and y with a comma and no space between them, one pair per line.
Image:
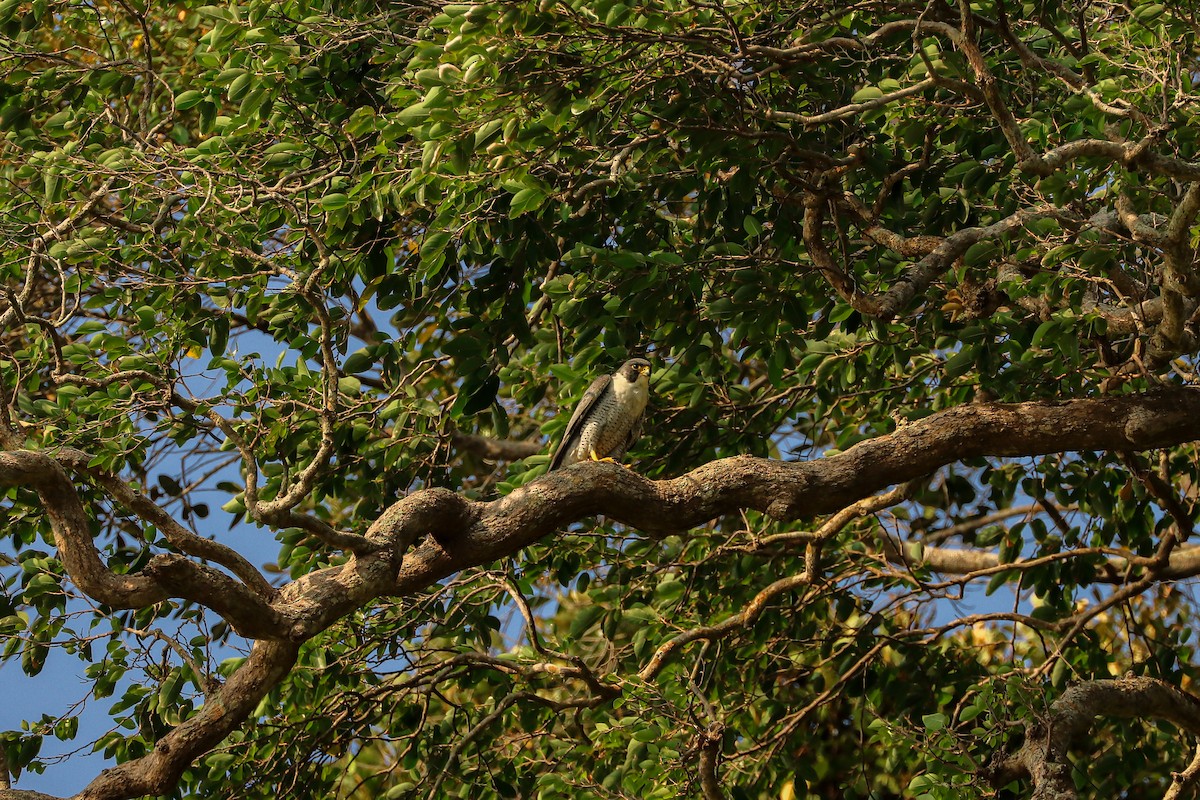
594,456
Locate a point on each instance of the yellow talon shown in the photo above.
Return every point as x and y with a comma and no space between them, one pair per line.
594,456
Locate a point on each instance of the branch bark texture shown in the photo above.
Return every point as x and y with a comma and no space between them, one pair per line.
435,533
1043,757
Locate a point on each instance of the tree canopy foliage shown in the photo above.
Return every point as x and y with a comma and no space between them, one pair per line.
297,295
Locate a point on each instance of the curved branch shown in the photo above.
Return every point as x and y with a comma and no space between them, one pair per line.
467,533
987,83
279,511
282,507
1183,783
73,534
448,533
1129,155
1043,756
452,533
744,619
814,217
820,49
157,772
245,611
165,576
840,520
928,268
1180,283
177,534
851,109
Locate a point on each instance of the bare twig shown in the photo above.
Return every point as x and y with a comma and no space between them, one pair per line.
1183,784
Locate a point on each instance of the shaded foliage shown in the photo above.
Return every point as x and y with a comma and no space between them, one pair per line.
265,261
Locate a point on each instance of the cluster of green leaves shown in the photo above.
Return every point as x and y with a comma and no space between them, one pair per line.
478,207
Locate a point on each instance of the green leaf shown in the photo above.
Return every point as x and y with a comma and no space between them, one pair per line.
413,115
1047,328
334,201
359,361
57,123
482,396
961,362
434,244
867,93
934,722
526,200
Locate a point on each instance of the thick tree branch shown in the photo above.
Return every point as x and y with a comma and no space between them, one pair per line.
165,576
73,532
157,772
437,532
248,613
466,533
710,753
1043,758
1180,283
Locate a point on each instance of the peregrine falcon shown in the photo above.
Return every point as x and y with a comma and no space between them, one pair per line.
609,417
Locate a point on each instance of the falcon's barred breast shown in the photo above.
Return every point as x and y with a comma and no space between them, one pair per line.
608,418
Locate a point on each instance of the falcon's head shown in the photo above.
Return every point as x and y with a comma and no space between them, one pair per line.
635,369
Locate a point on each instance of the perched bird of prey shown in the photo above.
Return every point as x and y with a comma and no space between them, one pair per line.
609,417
